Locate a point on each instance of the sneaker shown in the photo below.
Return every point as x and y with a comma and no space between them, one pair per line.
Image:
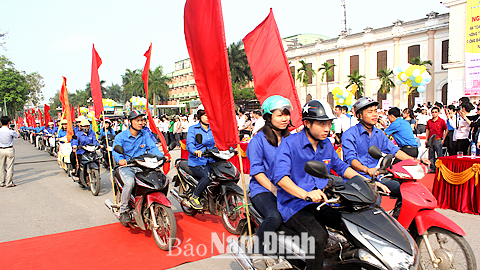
125,217
195,203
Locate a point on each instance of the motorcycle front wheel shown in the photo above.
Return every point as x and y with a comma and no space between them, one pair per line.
94,176
166,233
453,251
232,214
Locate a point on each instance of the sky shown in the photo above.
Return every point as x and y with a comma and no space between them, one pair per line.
54,38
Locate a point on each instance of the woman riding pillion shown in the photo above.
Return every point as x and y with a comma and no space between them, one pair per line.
261,153
295,185
199,165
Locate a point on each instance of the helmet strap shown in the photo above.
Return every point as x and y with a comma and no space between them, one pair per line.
313,137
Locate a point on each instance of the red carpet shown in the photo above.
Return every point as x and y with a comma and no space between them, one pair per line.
113,246
388,203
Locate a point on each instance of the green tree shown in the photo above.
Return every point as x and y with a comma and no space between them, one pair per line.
14,89
304,72
356,79
419,62
386,82
132,83
114,92
327,71
243,94
5,62
239,67
157,86
55,103
35,82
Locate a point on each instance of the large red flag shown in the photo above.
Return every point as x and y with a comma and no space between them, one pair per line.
269,65
48,118
95,83
72,113
205,37
66,108
40,118
151,123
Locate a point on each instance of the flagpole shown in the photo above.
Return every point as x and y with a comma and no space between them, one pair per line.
109,158
239,153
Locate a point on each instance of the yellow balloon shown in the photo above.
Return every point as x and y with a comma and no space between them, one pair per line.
409,71
418,79
422,68
348,102
409,83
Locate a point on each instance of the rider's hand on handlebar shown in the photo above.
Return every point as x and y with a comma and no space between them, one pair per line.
122,162
198,153
316,195
382,187
371,171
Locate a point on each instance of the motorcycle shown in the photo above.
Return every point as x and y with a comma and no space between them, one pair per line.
369,237
63,157
222,197
50,144
150,207
40,142
89,174
440,241
107,150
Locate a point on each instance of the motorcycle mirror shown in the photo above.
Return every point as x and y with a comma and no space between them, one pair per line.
374,152
386,162
431,140
119,149
316,168
199,138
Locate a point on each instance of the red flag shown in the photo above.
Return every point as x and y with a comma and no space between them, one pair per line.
95,84
269,64
205,37
48,119
72,113
40,118
151,123
66,107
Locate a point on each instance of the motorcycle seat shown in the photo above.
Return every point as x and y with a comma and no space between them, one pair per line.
184,166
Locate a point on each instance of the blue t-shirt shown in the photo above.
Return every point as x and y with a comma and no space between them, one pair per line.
291,156
207,143
356,141
261,155
61,133
134,146
84,139
402,132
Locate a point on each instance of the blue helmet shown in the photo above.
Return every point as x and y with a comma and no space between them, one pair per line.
276,103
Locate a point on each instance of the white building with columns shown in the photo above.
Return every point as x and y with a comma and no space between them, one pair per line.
439,38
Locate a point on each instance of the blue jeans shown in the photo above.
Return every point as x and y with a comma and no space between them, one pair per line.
128,177
202,171
266,204
435,149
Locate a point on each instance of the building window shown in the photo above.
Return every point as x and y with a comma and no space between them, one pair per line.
444,52
309,73
332,76
413,52
353,63
381,60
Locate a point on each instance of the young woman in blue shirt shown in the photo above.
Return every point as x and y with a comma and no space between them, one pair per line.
261,154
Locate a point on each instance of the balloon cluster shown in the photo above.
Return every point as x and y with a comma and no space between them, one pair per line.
343,97
83,110
139,103
90,115
108,103
413,76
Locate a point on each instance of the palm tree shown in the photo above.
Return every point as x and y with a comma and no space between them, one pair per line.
239,67
327,71
356,79
157,85
386,83
303,73
132,83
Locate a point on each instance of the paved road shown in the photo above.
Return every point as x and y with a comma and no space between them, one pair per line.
46,201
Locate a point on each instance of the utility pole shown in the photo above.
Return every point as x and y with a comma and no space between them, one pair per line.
343,22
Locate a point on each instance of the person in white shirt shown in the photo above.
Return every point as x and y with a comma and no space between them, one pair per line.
185,127
7,153
461,127
259,123
422,120
241,119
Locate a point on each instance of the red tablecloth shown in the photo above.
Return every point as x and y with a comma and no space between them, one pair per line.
463,198
234,160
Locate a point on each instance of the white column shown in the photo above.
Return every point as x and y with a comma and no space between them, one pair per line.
367,90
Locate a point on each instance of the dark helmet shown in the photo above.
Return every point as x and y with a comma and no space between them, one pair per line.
317,110
363,103
134,114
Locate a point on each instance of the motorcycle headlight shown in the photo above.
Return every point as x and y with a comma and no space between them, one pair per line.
396,258
151,163
367,257
416,171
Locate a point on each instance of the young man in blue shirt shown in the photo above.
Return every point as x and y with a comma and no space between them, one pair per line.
84,137
135,141
295,185
401,132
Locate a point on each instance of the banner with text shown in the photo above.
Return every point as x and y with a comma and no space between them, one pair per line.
472,49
